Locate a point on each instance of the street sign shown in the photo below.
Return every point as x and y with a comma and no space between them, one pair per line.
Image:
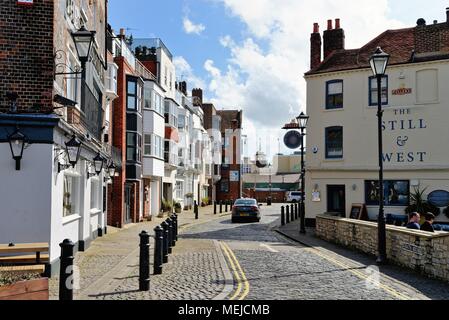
293,140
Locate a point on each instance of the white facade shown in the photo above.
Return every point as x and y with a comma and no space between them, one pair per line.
415,133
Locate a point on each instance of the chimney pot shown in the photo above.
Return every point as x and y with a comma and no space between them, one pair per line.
447,15
337,23
316,28
329,25
122,32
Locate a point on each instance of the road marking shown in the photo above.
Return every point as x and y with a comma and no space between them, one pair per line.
359,274
268,248
347,267
239,273
234,269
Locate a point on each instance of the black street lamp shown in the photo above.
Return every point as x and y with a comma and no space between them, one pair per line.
83,40
98,164
303,120
111,170
379,62
17,141
73,149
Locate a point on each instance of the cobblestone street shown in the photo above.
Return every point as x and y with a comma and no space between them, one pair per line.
215,259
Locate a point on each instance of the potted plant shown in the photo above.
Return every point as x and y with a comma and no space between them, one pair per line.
178,207
205,202
420,205
23,286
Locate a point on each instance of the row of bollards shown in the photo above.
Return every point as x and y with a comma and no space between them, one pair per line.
228,205
289,213
165,238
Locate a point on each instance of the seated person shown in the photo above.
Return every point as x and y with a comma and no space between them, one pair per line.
415,217
428,225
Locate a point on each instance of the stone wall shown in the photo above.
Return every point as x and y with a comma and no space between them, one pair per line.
424,252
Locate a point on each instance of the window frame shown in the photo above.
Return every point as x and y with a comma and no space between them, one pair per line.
328,83
326,143
137,154
370,89
137,95
387,183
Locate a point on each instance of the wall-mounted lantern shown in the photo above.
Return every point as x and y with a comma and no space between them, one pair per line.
17,141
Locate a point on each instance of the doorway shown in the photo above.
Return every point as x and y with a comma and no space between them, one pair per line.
128,203
336,199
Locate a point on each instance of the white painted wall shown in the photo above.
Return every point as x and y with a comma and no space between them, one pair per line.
25,195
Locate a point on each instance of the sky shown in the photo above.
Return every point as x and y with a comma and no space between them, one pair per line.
252,54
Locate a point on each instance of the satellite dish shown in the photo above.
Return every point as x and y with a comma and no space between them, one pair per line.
293,140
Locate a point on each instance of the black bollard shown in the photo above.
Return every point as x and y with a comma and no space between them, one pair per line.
226,206
144,262
215,207
287,214
292,213
196,211
158,249
296,211
221,206
231,204
173,221
175,226
165,244
283,215
170,235
66,271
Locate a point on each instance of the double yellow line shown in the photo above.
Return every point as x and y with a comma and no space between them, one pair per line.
242,290
359,274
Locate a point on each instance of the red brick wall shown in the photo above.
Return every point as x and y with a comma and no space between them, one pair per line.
262,196
26,54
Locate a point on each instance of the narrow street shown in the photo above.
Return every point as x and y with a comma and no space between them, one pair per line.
269,266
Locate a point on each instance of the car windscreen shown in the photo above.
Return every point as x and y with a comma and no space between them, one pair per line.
246,202
296,194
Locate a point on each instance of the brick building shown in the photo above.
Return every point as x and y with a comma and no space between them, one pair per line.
230,185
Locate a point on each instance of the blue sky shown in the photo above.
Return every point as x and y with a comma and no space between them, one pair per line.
251,54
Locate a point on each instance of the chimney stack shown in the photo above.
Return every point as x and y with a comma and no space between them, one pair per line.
334,39
197,95
122,33
315,47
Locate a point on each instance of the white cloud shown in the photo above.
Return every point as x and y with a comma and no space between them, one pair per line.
192,28
185,72
267,81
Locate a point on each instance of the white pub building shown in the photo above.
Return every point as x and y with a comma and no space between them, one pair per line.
342,141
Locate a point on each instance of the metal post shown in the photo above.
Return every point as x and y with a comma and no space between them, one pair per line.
226,206
215,207
173,224
195,209
296,211
288,214
164,226
283,216
292,208
303,182
170,235
158,249
144,262
66,271
221,206
382,234
174,217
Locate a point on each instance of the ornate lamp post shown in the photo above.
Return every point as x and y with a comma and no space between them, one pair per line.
379,62
303,120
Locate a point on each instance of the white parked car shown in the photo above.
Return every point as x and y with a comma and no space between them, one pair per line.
293,196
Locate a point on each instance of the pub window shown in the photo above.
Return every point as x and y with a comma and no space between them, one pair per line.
334,143
334,94
373,91
396,193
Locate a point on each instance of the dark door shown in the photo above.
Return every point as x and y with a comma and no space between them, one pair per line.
128,202
336,199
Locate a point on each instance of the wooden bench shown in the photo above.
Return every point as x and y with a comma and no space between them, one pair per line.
27,257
